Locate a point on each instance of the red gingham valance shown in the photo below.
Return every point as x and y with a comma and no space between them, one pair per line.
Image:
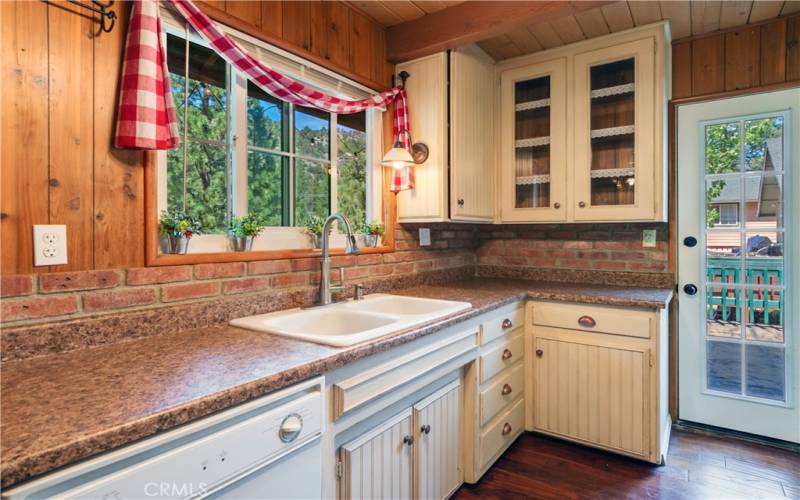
147,117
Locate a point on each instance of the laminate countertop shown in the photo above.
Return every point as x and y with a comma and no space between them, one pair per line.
61,408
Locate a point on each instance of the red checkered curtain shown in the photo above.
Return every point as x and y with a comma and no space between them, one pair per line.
268,79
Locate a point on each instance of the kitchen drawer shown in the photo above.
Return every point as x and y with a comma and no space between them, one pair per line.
502,432
496,396
611,320
500,355
502,321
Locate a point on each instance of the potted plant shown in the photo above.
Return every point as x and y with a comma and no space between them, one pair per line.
372,230
242,231
176,228
313,228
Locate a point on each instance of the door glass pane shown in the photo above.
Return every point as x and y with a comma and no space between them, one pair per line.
723,148
763,147
764,202
764,258
765,372
724,310
723,366
532,142
723,200
764,314
613,96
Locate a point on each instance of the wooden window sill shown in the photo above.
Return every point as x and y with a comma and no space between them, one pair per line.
215,257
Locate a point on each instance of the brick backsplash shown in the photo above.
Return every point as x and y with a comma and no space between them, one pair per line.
37,298
607,247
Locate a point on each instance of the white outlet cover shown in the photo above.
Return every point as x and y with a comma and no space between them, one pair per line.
424,237
649,238
49,244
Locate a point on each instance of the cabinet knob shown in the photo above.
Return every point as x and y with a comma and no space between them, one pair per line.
556,205
581,204
507,324
409,440
460,202
425,429
506,390
539,353
506,354
506,428
587,321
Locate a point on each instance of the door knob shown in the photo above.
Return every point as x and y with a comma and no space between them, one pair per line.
690,289
690,241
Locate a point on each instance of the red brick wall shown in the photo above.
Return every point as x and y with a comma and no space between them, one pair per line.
607,247
34,298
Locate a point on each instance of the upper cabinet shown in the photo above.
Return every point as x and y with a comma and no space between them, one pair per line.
582,132
456,183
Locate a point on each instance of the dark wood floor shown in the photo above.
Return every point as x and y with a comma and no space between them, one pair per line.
698,466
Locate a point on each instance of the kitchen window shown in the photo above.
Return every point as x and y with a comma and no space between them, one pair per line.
243,150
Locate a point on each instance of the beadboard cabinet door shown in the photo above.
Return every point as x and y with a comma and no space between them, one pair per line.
472,96
427,108
596,394
438,445
378,465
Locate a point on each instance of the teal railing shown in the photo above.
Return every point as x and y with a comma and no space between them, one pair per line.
725,272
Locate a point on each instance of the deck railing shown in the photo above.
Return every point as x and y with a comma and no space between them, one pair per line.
725,273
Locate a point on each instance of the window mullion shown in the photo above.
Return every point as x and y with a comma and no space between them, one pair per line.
239,142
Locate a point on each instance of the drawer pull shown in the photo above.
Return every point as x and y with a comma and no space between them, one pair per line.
409,440
506,428
506,354
587,321
539,353
507,324
426,429
506,390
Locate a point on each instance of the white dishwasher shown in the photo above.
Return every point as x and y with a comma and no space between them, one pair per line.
265,449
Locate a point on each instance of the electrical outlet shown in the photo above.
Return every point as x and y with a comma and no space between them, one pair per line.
649,238
424,237
49,244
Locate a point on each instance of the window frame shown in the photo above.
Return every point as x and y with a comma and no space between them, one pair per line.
278,241
732,207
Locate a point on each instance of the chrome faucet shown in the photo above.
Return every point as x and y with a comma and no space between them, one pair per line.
351,246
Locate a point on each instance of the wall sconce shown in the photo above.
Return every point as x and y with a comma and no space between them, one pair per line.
399,157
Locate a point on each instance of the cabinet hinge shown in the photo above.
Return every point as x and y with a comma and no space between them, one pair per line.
650,356
339,469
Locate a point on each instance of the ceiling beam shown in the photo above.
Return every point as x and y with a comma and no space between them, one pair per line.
470,22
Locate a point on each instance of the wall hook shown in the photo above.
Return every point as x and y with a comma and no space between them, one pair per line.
107,17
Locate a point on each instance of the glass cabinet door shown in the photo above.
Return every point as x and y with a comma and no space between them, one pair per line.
614,133
533,139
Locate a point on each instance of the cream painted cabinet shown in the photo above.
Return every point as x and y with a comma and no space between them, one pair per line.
590,116
456,183
597,375
415,454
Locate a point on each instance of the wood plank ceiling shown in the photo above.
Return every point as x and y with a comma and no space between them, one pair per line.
687,18
391,12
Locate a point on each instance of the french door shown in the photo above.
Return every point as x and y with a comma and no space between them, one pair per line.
738,262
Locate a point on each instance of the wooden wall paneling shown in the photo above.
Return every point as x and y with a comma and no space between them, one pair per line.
338,31
379,71
773,52
318,19
645,12
742,52
71,115
617,16
296,23
681,70
524,40
765,9
793,48
271,18
118,174
734,13
790,7
708,75
568,29
361,45
246,10
500,47
546,35
592,22
378,11
24,137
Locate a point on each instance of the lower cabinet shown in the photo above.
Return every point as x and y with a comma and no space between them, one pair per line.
414,454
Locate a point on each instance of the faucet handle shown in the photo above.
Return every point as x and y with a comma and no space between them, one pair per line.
358,291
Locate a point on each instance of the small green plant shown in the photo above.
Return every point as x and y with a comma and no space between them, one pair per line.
248,225
314,224
178,223
373,227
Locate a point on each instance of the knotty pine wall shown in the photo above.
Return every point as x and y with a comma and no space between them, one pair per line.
58,94
748,58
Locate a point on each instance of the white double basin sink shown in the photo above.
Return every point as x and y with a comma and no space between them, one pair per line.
353,321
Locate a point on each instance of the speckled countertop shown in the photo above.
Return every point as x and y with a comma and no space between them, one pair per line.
61,408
